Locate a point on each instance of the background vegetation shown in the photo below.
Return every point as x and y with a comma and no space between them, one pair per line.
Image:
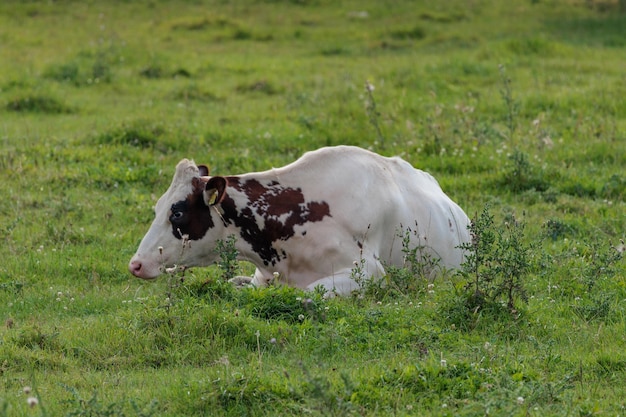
517,106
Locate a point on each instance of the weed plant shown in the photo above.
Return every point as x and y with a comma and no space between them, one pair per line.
416,274
496,265
510,104
227,257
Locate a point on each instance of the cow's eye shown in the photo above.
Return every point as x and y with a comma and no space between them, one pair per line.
177,215
178,212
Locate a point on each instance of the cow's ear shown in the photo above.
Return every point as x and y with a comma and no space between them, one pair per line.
204,170
215,191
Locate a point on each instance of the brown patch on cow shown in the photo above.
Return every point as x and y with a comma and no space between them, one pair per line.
280,208
191,217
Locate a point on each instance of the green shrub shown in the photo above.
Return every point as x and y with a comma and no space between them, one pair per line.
227,257
496,263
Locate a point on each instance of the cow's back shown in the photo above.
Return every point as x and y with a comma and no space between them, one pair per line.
374,200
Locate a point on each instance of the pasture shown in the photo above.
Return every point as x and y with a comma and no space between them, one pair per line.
517,108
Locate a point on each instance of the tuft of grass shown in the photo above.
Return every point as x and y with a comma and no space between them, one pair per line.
283,303
38,103
522,175
597,308
601,263
142,134
152,72
96,70
614,188
95,407
65,72
261,86
414,33
557,229
139,134
193,92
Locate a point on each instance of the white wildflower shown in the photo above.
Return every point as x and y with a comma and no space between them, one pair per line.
32,401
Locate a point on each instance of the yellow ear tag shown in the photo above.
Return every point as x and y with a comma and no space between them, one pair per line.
212,198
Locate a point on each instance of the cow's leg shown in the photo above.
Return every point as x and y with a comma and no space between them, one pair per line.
345,281
341,283
240,281
257,280
261,280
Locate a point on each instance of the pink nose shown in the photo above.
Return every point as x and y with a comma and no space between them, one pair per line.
135,268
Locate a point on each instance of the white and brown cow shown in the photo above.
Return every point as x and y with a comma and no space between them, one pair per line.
307,223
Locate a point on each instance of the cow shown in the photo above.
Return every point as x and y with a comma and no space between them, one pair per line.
333,218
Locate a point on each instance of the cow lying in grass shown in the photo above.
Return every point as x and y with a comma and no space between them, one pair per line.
334,218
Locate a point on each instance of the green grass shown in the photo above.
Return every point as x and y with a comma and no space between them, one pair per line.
518,105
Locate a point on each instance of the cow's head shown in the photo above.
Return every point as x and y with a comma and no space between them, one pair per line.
185,216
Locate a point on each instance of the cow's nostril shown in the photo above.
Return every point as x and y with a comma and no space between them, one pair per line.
134,267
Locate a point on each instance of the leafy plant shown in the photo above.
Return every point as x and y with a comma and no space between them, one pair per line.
600,263
496,262
227,257
418,260
419,267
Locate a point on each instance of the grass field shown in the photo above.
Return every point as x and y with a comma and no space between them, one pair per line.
517,108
